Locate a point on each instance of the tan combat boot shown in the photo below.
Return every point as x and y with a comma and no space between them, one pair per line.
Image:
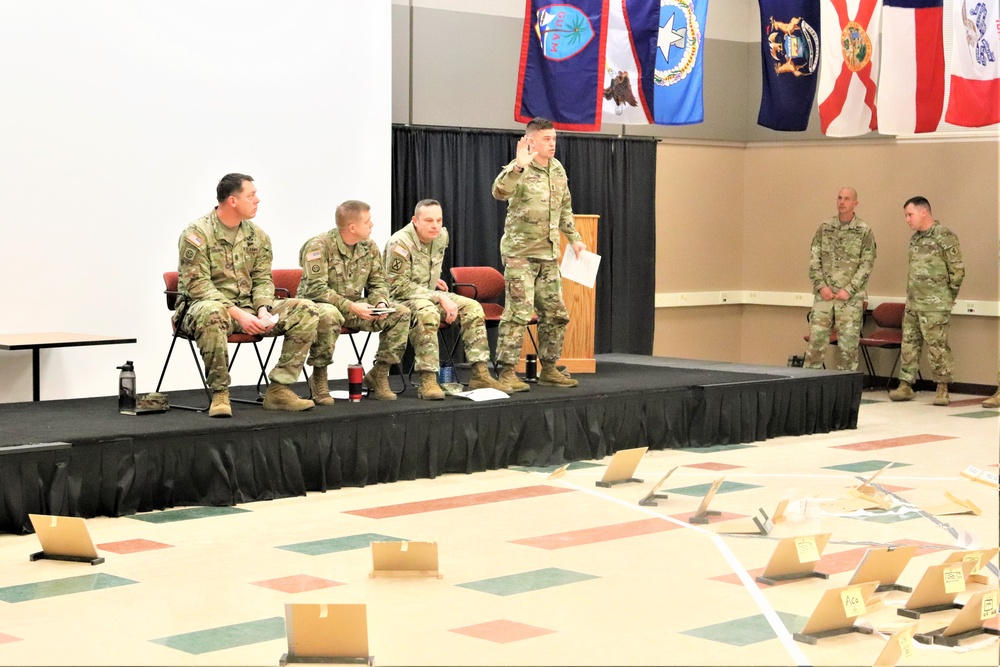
942,397
428,387
377,381
553,377
509,378
904,392
481,379
319,385
993,401
280,397
220,404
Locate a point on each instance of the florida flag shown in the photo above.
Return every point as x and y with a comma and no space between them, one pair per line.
911,75
849,66
975,71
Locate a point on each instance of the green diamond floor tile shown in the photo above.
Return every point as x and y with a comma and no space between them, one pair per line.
715,448
336,544
56,587
746,631
978,414
865,466
186,514
576,465
702,489
227,636
525,582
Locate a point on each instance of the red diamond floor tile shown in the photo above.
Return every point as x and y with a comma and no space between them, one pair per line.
453,502
133,546
575,538
502,631
6,639
298,583
870,445
712,465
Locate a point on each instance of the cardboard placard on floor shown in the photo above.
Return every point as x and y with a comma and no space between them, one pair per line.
979,558
787,563
417,559
334,633
884,565
899,646
967,623
933,592
64,538
955,505
622,467
649,500
702,513
835,616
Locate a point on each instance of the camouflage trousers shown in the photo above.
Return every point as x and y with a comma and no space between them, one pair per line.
930,327
532,283
846,316
392,329
209,323
425,320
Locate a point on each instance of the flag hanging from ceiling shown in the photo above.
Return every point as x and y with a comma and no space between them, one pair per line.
911,72
561,73
679,71
629,61
789,63
849,71
974,100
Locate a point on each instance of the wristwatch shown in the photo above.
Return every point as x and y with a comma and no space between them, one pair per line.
518,168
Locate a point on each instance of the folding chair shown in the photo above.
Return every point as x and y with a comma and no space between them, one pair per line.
888,334
170,280
486,285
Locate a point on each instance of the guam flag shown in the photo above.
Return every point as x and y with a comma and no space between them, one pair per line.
849,71
789,52
911,76
974,100
561,74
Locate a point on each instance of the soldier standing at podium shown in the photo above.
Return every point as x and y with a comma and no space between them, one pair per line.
539,206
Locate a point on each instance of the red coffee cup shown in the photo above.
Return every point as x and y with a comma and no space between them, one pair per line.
355,379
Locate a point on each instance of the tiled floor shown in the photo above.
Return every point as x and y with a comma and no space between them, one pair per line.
534,570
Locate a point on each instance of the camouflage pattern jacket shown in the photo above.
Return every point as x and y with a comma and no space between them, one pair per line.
936,270
210,269
842,256
335,273
539,206
413,268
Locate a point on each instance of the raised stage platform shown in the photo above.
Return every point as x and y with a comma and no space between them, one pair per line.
81,458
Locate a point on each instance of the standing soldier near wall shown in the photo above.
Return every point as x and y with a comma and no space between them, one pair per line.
841,259
994,400
935,275
413,259
539,206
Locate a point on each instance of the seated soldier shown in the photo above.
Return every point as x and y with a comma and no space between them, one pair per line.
225,283
342,274
413,259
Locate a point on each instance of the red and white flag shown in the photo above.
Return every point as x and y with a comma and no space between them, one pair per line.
849,66
975,68
911,74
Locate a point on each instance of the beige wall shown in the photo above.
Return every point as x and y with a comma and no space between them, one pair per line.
742,217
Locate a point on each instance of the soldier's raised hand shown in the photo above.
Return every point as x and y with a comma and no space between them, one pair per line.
524,153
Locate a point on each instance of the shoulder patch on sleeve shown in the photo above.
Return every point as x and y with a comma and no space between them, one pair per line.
315,254
195,239
400,250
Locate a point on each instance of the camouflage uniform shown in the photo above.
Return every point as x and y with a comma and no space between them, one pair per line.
842,257
539,207
334,275
935,275
215,275
413,269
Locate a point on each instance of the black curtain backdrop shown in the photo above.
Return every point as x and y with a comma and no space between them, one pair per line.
612,177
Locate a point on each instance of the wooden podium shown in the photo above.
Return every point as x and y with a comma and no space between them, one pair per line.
578,349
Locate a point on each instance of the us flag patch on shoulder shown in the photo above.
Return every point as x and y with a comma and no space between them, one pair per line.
315,254
195,239
400,250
